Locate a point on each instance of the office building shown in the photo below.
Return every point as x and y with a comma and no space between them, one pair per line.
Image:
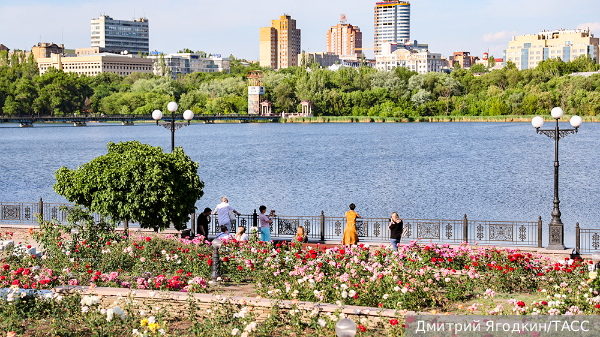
280,43
99,63
422,61
344,39
527,51
116,36
392,23
185,63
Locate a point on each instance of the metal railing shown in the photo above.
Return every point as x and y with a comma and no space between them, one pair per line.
331,228
587,241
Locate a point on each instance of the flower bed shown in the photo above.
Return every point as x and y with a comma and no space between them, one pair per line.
418,277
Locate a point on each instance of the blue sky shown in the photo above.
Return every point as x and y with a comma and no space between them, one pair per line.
232,27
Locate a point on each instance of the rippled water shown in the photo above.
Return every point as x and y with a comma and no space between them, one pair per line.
489,171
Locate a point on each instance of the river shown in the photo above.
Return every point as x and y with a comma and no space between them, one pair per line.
489,171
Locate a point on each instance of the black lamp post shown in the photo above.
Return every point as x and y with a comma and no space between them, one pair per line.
188,115
216,260
556,227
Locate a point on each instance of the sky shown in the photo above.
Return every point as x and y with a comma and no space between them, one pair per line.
232,27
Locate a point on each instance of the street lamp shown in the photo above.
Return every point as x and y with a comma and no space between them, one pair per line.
216,260
188,115
345,327
556,227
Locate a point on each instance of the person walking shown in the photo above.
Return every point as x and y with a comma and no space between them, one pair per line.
265,223
396,227
350,234
202,223
222,210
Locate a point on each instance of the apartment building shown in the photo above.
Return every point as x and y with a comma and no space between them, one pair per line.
527,51
324,59
43,50
185,63
344,39
464,59
280,43
392,23
99,63
422,61
116,36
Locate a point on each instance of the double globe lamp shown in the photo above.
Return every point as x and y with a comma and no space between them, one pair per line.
188,115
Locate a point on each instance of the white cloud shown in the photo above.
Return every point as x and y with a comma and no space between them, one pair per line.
503,35
593,26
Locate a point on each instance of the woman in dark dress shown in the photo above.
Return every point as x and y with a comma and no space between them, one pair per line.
396,226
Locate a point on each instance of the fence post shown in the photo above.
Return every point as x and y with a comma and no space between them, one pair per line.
41,210
465,229
322,226
254,219
577,238
540,232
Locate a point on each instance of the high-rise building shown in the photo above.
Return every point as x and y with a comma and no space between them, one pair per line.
392,23
344,39
280,43
116,36
527,51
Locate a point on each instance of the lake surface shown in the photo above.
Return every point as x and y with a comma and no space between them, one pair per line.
489,171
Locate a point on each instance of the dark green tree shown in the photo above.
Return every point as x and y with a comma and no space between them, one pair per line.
135,181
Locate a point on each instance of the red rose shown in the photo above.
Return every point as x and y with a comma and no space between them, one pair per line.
393,321
147,239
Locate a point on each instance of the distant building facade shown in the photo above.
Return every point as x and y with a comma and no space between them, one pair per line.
92,65
185,63
324,59
43,50
89,51
392,23
421,61
464,59
116,36
4,48
280,43
344,39
527,51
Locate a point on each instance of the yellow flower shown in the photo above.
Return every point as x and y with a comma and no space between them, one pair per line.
153,326
433,312
593,275
144,322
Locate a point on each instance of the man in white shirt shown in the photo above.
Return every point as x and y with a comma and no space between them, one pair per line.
222,211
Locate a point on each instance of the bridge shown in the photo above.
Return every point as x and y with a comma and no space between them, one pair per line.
82,119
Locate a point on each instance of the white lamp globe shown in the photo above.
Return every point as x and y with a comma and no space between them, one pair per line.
188,115
172,106
556,113
596,257
345,328
217,243
537,122
576,121
157,115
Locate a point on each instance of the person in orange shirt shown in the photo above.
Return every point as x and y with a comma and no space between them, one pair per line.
350,235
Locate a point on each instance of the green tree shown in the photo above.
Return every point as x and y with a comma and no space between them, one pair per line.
478,68
135,181
491,61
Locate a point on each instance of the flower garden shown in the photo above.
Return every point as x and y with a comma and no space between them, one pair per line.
420,277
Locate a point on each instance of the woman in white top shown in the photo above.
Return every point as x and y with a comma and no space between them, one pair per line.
241,234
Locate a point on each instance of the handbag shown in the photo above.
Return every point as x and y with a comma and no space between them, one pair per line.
404,232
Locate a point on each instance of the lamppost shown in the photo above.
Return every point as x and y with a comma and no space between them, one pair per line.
556,227
216,260
188,115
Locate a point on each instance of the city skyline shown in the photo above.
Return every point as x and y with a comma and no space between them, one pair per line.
208,27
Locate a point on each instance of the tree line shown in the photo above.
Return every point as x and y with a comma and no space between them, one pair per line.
346,92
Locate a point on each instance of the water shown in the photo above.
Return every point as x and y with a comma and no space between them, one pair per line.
489,171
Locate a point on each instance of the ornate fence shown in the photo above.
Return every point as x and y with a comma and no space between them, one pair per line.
327,228
587,241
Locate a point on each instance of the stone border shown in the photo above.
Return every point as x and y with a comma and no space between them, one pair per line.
142,294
